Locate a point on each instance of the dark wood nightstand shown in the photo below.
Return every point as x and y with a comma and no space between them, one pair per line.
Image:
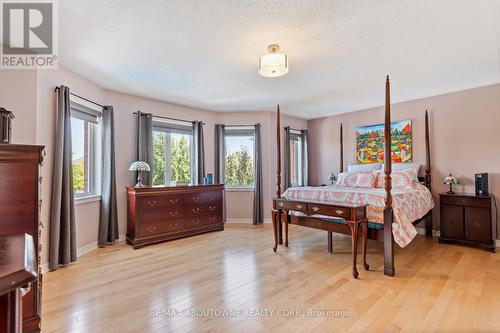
466,219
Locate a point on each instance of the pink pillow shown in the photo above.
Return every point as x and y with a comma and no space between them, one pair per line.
347,179
400,178
366,179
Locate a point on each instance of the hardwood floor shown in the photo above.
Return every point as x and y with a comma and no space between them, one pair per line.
437,288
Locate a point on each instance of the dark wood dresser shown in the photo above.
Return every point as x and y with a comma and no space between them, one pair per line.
17,272
466,219
156,214
19,212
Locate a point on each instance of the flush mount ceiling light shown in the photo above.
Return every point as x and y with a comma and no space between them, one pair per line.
273,64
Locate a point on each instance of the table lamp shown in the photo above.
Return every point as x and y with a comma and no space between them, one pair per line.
139,166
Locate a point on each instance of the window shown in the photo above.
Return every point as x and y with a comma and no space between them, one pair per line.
85,145
173,159
296,157
239,159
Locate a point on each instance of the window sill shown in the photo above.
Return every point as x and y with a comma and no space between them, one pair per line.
239,189
87,199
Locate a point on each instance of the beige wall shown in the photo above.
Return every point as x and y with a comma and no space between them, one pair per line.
18,94
464,130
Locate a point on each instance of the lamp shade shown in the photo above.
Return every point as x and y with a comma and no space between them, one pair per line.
273,64
139,166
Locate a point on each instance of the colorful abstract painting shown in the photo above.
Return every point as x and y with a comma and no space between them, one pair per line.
370,143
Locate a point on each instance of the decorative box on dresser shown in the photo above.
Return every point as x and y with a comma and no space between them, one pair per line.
156,214
19,213
466,219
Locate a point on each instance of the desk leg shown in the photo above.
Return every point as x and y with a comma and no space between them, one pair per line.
330,242
354,237
365,244
275,228
286,218
280,229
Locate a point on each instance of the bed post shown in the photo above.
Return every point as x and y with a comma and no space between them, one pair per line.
428,220
341,169
278,152
388,212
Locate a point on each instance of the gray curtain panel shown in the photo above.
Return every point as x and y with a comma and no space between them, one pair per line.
62,246
220,154
258,208
305,157
108,223
287,180
220,161
198,152
145,144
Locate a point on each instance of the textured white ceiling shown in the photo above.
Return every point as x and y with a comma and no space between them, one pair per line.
204,53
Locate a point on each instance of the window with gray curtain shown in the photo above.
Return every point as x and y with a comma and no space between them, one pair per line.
296,159
174,152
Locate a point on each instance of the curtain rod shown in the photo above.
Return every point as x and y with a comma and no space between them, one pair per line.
170,118
85,99
236,125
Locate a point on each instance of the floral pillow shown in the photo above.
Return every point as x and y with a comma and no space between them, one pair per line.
347,179
366,179
400,179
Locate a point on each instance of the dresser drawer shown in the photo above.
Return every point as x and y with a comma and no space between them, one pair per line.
162,214
328,210
203,209
478,225
158,201
452,222
292,205
168,226
463,201
203,197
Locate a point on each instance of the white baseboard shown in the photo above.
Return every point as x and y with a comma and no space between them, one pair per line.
245,220
497,243
83,250
421,231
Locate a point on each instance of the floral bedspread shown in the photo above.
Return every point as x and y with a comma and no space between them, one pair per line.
409,204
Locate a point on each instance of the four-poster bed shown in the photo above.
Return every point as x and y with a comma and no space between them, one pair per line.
308,206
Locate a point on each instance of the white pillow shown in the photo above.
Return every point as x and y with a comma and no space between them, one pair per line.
364,167
404,166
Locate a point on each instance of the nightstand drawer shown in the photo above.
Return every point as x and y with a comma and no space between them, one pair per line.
462,201
478,226
452,222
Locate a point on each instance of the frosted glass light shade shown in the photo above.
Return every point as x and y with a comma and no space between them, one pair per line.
273,64
139,166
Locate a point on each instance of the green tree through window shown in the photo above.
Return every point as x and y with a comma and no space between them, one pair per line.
171,158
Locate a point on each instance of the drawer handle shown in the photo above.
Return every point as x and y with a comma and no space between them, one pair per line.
299,206
212,208
152,203
316,209
196,210
281,204
212,196
196,199
339,211
212,219
152,229
174,201
196,221
173,226
174,213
